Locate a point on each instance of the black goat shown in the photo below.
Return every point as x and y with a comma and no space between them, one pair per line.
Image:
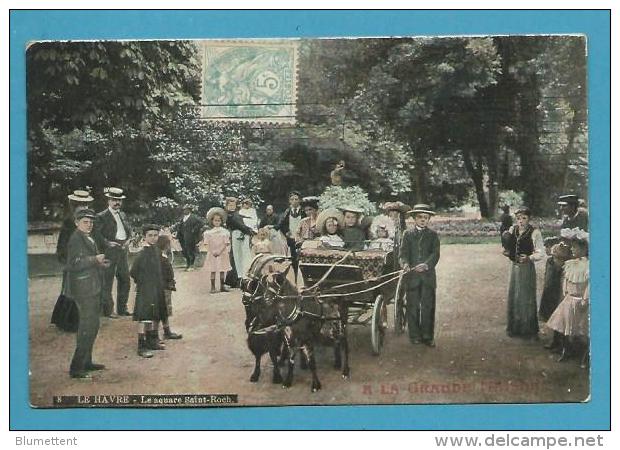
264,336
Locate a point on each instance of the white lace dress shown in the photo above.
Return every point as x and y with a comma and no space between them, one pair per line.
571,317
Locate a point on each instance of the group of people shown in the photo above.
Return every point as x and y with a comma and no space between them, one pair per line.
94,250
304,226
564,304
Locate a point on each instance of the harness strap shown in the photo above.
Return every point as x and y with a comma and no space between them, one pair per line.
344,294
365,281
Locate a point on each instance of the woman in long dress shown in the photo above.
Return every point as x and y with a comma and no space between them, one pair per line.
524,246
570,318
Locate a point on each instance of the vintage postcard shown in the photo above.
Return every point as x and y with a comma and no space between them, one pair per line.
272,222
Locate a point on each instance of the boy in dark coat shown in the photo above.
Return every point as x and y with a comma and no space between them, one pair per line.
419,254
83,284
150,307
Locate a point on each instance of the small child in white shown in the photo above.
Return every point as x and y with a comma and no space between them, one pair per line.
217,241
382,242
261,242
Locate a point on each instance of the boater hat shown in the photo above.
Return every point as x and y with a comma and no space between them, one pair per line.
568,199
219,211
421,208
84,212
80,196
114,192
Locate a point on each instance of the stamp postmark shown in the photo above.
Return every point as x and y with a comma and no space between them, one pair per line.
250,81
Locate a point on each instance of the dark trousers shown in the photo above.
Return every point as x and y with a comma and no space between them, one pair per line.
189,253
119,268
293,249
421,311
88,328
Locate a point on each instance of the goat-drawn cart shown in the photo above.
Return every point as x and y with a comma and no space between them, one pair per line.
364,281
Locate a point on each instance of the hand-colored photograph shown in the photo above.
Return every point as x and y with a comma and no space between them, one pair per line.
336,221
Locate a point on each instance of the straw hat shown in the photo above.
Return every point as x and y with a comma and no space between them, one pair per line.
80,196
568,199
114,192
326,214
219,211
421,208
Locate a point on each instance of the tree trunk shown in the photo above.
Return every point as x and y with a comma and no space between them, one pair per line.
572,134
475,172
419,176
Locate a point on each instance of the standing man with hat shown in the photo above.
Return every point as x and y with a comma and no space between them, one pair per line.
83,284
419,254
65,315
112,232
189,233
572,215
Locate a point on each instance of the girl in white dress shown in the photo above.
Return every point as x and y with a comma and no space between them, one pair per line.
571,317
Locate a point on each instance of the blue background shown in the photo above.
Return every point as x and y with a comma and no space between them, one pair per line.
35,25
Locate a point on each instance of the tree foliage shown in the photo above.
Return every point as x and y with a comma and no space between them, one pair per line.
438,120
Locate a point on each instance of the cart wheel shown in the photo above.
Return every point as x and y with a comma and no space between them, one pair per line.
379,324
400,311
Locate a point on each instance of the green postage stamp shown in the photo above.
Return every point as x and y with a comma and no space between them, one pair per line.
249,81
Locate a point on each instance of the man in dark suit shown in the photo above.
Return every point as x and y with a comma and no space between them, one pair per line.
189,234
83,285
419,254
572,215
289,223
113,232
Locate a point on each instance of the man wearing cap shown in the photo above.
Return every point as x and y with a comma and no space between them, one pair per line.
289,223
112,233
83,284
419,254
64,315
573,216
189,233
